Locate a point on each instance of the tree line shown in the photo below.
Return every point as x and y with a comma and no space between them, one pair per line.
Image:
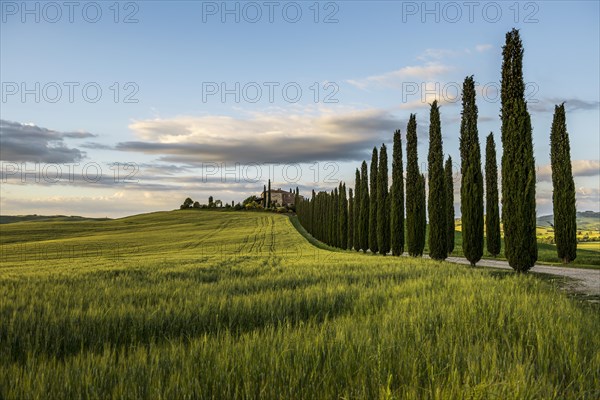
385,219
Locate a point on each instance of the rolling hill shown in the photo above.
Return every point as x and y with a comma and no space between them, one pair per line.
586,220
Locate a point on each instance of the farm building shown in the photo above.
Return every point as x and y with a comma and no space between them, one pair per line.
280,197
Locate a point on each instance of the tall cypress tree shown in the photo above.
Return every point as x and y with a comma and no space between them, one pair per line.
296,196
342,218
264,197
312,211
449,186
563,195
383,217
327,214
492,214
364,205
397,198
335,219
269,196
420,216
518,163
373,204
357,210
436,206
350,242
332,218
412,188
471,189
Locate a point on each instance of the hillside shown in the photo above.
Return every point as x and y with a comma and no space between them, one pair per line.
586,220
202,304
8,219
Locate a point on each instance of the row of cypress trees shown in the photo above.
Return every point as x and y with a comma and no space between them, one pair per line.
374,219
328,217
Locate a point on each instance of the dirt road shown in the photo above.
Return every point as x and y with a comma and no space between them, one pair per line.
584,280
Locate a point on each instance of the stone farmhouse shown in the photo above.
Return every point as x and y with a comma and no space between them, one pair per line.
281,197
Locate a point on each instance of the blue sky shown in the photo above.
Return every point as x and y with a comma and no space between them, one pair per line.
368,65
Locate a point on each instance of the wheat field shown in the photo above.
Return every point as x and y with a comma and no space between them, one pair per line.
226,305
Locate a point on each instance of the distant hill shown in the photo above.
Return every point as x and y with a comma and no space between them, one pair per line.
8,219
587,220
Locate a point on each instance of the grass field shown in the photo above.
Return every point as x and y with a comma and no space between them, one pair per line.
588,253
224,305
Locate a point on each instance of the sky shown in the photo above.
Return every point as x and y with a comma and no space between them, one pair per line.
119,108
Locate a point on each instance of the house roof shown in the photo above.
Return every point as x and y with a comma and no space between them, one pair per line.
278,191
281,191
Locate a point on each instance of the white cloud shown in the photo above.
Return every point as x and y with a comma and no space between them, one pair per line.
579,167
547,105
432,69
430,91
394,79
437,54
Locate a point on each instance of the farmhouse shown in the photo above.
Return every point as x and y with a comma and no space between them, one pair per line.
280,197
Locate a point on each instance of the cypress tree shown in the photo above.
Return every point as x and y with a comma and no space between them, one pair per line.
327,227
335,219
322,217
563,195
383,217
397,198
264,197
350,242
357,210
518,163
323,211
373,204
420,216
436,206
269,196
412,188
312,211
449,186
492,217
364,205
471,189
342,218
327,203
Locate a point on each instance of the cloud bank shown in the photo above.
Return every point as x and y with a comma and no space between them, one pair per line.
31,143
262,138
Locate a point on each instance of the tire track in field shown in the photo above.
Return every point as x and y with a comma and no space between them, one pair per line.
272,246
211,232
244,244
261,236
250,244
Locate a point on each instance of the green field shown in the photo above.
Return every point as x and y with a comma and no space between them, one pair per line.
586,221
223,305
588,253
